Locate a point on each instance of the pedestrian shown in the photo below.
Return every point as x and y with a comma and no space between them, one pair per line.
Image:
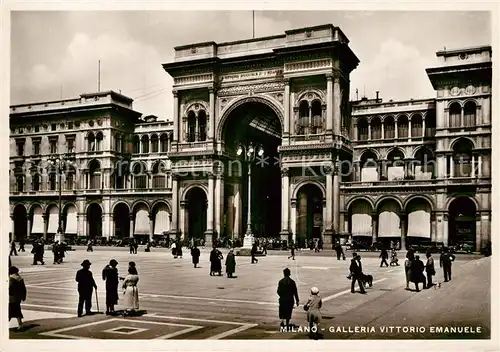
174,250
313,307
132,265
287,292
230,264
253,252
320,244
409,259
17,294
195,254
21,244
356,273
429,269
339,251
89,246
13,248
110,275
445,261
61,252
131,246
131,298
215,262
86,284
394,258
316,246
148,247
417,272
292,250
37,252
136,245
55,251
384,256
179,249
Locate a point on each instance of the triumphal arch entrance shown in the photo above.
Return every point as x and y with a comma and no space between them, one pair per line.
261,130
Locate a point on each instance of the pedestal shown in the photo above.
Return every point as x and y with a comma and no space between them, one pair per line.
59,237
208,239
328,238
248,241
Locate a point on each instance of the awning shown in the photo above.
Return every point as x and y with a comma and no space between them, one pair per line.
419,221
361,220
162,220
141,222
37,226
71,220
389,223
53,220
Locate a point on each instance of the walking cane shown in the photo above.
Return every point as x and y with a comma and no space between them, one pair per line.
97,300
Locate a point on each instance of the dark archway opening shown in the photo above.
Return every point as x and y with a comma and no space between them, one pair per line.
462,222
197,214
257,124
20,223
121,217
309,215
94,221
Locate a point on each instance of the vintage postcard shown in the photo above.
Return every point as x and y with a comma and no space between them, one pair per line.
250,174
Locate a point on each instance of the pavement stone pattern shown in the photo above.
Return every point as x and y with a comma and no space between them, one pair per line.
182,302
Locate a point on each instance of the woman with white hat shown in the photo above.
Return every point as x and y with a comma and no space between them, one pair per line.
313,307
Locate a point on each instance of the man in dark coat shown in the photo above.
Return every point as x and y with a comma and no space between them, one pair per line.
110,275
215,262
179,248
86,284
417,272
230,264
253,252
62,251
37,252
445,261
55,250
195,254
384,255
21,245
429,269
339,251
131,247
287,292
89,246
13,248
356,270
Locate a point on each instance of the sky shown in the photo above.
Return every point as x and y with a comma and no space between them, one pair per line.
55,55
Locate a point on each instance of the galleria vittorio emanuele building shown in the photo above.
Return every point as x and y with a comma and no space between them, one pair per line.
264,139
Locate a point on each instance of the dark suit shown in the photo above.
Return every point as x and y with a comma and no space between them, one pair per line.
356,270
384,256
287,291
86,285
445,262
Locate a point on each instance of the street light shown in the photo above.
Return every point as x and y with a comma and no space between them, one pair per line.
248,153
59,165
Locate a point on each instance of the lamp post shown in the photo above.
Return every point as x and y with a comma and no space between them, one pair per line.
59,165
249,152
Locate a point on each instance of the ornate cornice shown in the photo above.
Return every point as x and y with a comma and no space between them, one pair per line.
243,89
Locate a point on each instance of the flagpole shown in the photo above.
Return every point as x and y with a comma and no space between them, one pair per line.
253,24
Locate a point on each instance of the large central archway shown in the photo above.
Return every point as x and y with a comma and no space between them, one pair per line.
254,121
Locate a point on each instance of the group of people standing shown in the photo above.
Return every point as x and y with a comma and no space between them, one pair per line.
59,250
414,268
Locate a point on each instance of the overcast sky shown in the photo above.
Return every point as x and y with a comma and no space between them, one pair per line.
50,50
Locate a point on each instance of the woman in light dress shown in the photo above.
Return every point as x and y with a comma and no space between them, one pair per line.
131,299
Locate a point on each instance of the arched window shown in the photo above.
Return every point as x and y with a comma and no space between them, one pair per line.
140,178
462,158
136,146
303,123
424,164
52,181
98,139
369,167
145,144
158,176
389,127
376,127
154,143
191,133
36,182
91,142
470,114
416,126
395,167
70,178
402,127
202,126
163,143
455,112
20,183
94,175
362,129
317,119
430,124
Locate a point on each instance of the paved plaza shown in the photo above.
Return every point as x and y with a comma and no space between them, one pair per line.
181,302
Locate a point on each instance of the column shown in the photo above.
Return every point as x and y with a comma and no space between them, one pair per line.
462,118
182,219
396,128
28,230
440,118
329,200
151,226
374,226
336,198
423,126
210,208
211,117
285,188
13,226
434,234
441,166
473,171
445,229
219,203
237,209
176,116
404,230
409,128
336,106
329,102
293,219
485,228
383,130
478,232
105,225
452,166
131,232
286,105
175,203
369,131
479,166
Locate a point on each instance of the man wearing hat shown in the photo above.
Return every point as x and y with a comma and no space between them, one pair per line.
86,284
287,292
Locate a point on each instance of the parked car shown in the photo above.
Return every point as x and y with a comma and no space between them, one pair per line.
360,245
432,247
464,247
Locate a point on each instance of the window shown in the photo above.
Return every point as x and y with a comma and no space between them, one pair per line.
53,127
98,139
164,143
158,176
140,180
70,181
376,128
191,134
70,144
35,181
303,123
145,144
94,175
117,142
91,142
462,157
416,126
20,147
389,131
154,143
36,147
52,181
202,126
53,146
362,129
455,112
136,144
317,119
470,114
402,127
20,183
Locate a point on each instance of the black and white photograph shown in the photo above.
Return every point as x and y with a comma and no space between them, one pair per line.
250,174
